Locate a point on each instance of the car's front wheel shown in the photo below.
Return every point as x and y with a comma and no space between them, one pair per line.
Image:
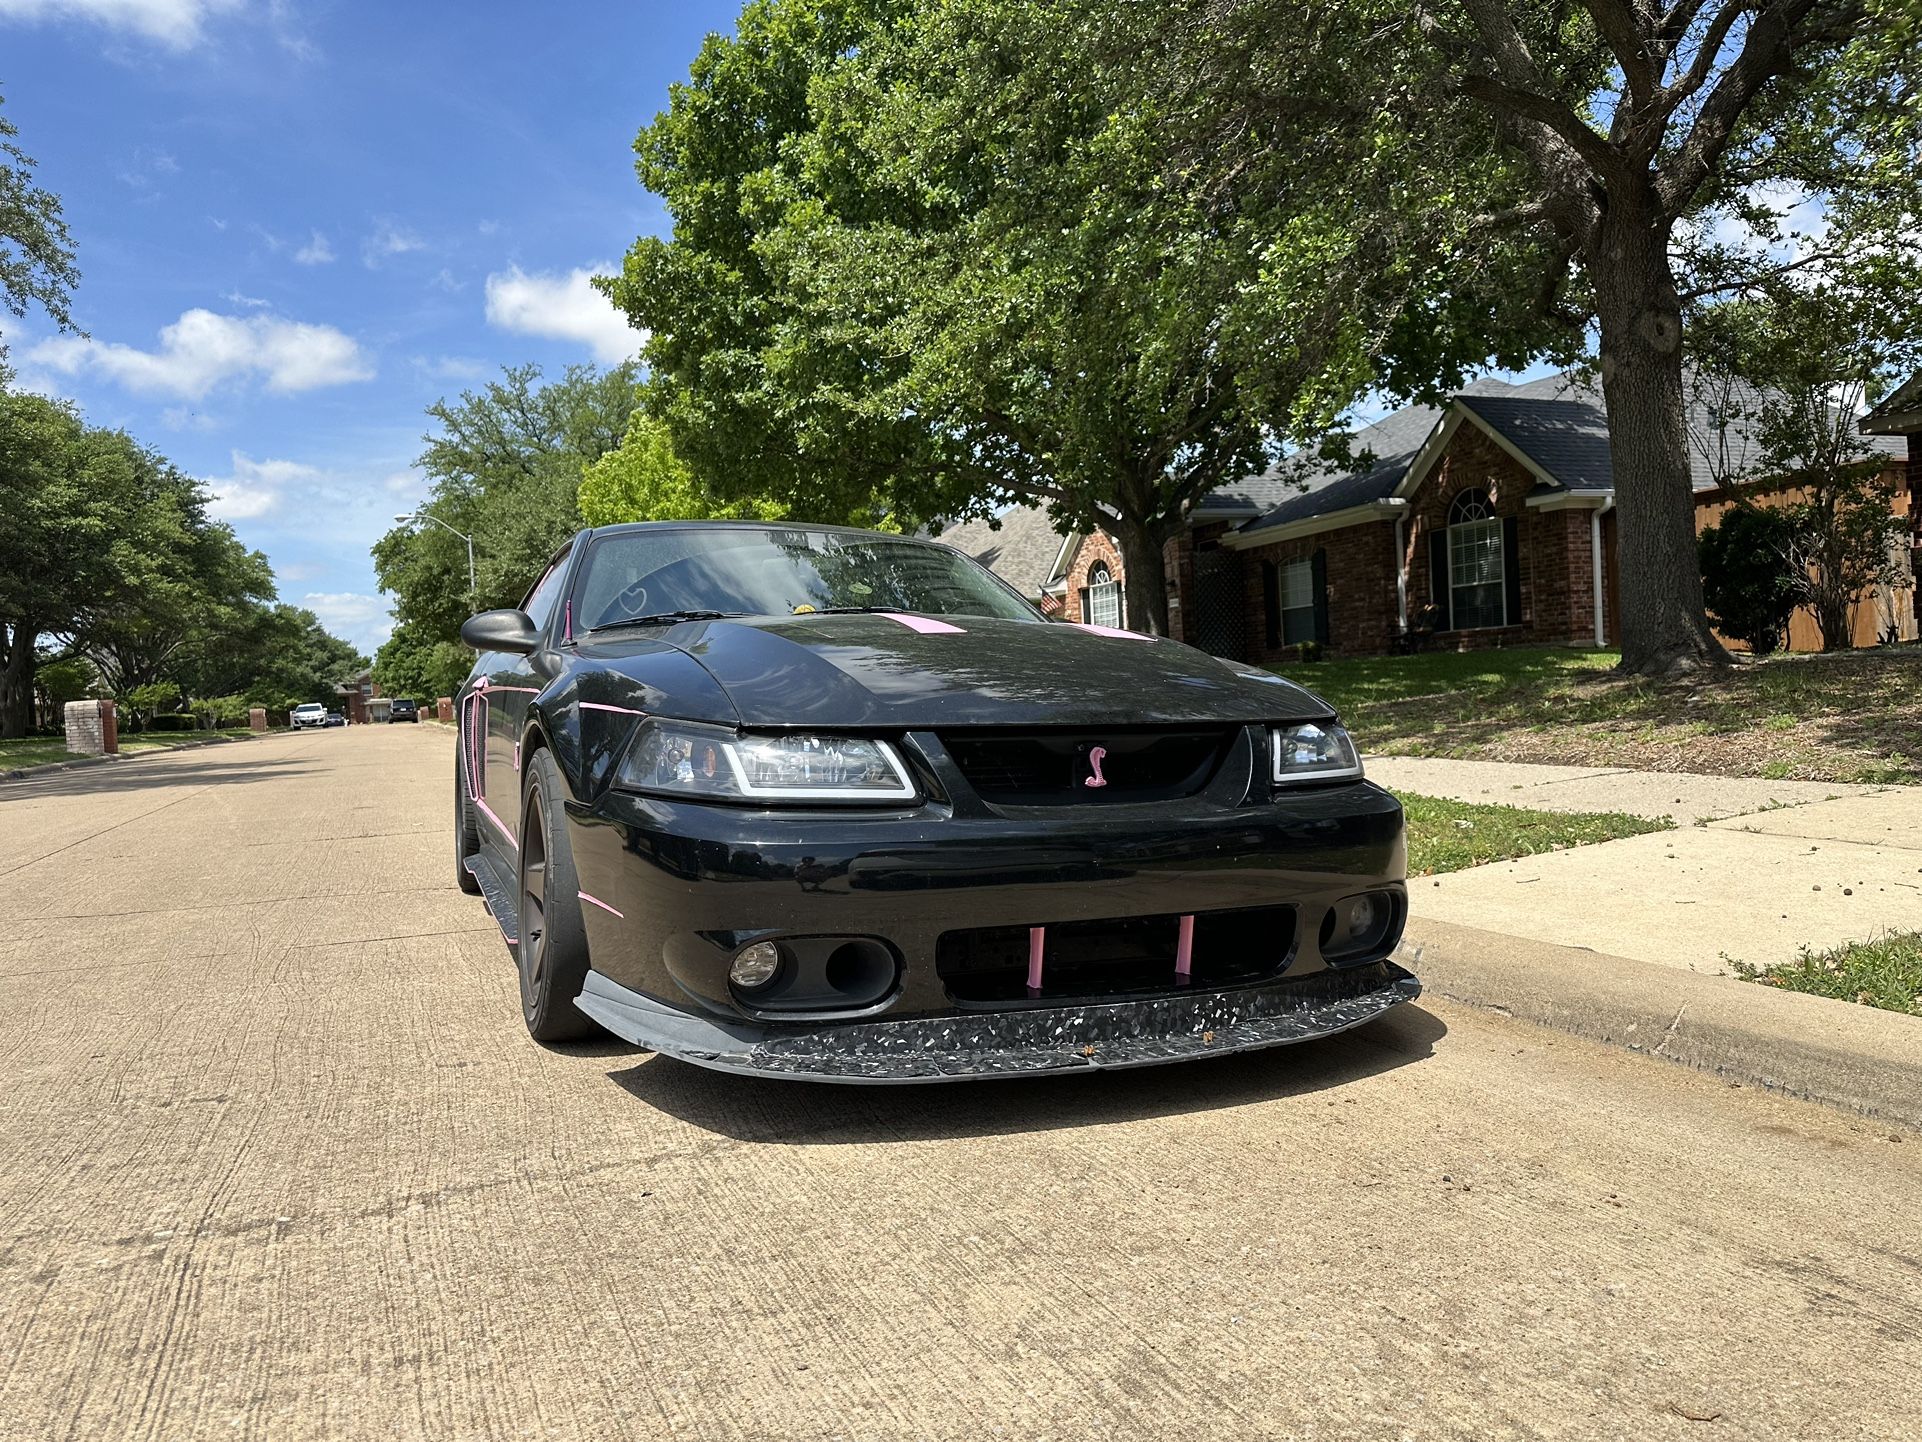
552,953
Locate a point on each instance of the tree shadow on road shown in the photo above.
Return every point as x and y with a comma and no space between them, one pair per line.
791,1113
128,776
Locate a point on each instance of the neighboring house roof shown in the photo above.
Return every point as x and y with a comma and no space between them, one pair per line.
1557,427
1021,546
1900,412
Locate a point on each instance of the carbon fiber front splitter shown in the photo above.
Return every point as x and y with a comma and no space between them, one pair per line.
1042,1041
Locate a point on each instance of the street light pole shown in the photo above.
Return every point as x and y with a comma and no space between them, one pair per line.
473,592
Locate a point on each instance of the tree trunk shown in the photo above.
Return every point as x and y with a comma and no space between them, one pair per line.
16,680
1144,577
1664,625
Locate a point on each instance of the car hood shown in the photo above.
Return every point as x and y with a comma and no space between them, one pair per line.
886,672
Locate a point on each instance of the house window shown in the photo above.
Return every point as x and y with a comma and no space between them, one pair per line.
1297,602
1476,574
1101,602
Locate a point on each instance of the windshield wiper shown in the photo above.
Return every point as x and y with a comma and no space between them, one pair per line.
850,611
666,618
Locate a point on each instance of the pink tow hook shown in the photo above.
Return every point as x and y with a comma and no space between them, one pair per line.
1037,939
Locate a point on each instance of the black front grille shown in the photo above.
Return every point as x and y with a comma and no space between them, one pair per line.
1125,956
1041,768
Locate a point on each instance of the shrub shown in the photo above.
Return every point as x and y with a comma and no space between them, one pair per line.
1748,578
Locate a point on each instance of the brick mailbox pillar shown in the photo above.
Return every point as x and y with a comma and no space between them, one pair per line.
90,728
257,718
445,708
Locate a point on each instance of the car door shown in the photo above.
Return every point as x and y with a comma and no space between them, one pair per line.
513,681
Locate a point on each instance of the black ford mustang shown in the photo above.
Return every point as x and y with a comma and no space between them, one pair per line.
807,801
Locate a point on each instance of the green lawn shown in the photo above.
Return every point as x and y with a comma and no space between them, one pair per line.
39,750
1453,835
1846,717
1885,973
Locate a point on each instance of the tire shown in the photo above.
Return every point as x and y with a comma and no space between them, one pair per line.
466,828
552,954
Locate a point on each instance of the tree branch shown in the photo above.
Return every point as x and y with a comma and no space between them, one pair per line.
1767,51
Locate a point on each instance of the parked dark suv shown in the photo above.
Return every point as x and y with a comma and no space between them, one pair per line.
402,710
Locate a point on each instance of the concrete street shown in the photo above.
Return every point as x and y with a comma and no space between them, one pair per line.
1756,870
282,1163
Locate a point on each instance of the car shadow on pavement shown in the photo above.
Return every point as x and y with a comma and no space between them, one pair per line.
792,1113
128,776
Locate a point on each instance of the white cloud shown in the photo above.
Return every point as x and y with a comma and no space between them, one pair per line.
364,620
451,367
177,24
253,302
316,251
256,487
387,240
202,350
564,307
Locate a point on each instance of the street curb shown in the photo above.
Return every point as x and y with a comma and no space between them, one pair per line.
21,773
1855,1058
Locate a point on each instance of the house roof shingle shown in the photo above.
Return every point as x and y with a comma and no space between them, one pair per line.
1558,423
1019,546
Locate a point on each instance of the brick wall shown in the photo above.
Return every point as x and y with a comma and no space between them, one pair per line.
1094,548
1554,554
1361,588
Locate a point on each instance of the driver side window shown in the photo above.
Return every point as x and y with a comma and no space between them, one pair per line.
539,604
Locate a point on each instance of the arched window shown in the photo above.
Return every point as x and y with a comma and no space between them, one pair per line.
1101,598
1476,566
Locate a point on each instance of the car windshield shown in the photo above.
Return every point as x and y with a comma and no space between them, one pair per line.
756,571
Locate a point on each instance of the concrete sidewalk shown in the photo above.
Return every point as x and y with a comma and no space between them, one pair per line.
1686,798
1790,864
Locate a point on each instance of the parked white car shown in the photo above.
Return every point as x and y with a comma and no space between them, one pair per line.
309,713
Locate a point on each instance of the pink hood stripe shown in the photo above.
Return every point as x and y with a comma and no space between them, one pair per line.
617,710
926,625
1094,630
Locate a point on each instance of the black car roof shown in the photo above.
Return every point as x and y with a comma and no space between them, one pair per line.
750,525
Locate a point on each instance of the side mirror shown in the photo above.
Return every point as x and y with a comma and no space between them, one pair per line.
504,630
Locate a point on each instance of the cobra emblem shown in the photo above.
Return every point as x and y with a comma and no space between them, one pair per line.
1094,763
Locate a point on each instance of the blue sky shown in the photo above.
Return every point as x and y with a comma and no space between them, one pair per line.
299,225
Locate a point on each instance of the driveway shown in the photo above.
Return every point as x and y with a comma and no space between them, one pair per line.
282,1163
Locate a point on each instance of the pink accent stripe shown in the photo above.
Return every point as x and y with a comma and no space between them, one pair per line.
1109,631
524,690
1037,941
926,625
617,710
567,620
596,901
488,812
1185,949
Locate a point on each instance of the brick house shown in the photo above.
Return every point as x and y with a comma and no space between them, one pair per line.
1077,577
1486,522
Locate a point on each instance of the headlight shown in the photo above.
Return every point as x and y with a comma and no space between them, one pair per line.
1313,751
682,758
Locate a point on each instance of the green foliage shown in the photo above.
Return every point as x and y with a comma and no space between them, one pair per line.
932,258
1884,973
36,253
155,697
1452,835
506,466
1792,365
1748,577
645,481
69,679
415,663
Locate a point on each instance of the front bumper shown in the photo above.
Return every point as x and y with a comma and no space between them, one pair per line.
1052,1041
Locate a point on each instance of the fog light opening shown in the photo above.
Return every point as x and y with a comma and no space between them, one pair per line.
861,971
755,966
